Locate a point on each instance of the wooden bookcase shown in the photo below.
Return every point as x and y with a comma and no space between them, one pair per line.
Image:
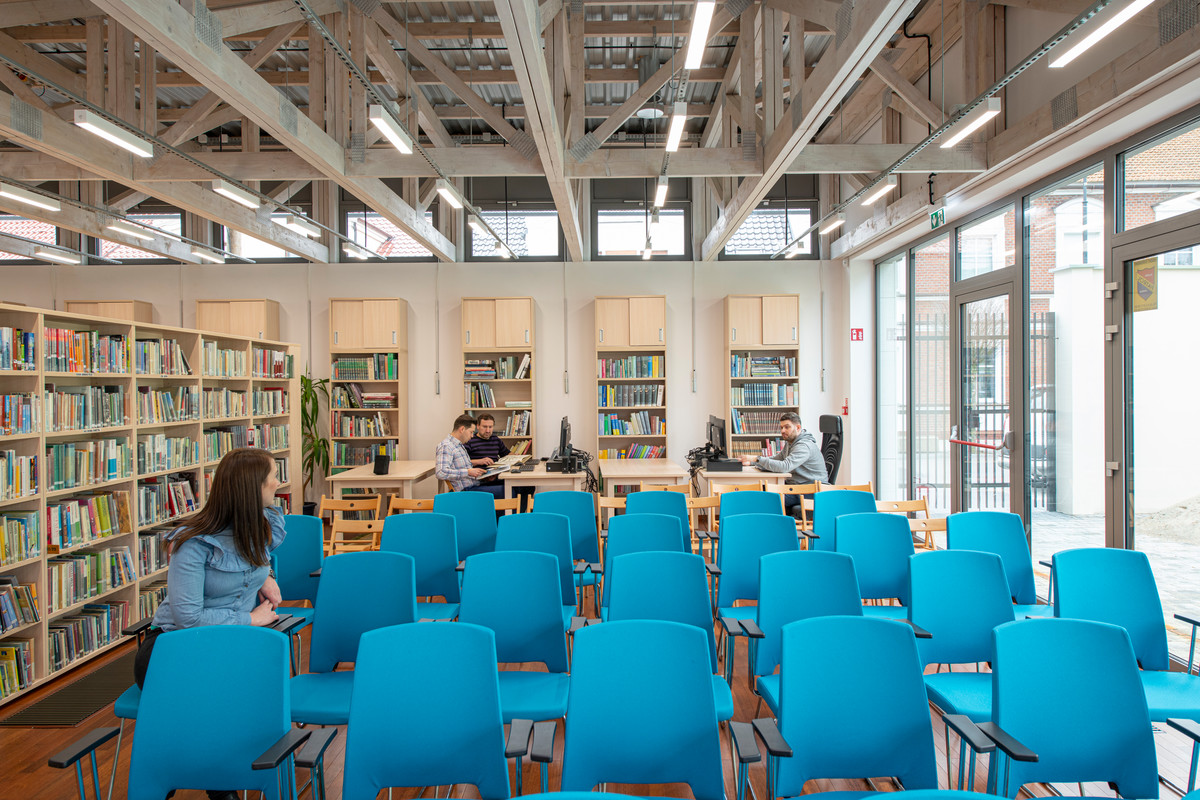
257,319
762,333
498,331
128,310
108,405
368,343
631,381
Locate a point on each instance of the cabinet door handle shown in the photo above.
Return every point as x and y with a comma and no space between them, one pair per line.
733,334
393,337
527,336
335,337
660,334
468,337
602,334
793,334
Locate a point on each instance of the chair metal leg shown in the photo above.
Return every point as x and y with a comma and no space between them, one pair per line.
116,759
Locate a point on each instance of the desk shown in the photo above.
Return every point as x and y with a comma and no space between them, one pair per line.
747,475
539,478
401,476
654,471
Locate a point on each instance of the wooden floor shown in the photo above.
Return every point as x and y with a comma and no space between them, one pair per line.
24,752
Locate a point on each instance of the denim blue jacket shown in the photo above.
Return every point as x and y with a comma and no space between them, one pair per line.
209,583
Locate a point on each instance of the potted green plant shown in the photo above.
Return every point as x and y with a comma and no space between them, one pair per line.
314,447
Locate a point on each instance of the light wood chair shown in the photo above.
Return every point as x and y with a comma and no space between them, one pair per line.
445,486
925,528
853,487
338,506
614,504
709,507
396,504
716,489
684,488
511,505
364,535
805,521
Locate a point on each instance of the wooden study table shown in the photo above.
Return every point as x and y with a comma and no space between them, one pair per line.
747,475
655,471
400,477
539,478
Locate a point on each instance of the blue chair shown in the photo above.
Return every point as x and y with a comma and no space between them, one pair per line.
881,545
750,502
544,533
671,503
359,592
828,506
432,542
617,673
1069,691
449,707
580,508
745,538
475,520
1001,533
638,533
297,557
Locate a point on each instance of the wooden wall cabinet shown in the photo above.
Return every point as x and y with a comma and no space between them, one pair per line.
639,321
257,319
367,323
497,322
129,310
631,403
762,357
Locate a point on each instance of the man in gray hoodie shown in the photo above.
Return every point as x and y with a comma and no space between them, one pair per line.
801,456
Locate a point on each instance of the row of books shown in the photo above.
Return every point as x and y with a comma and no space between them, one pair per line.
356,425
763,394
150,597
631,367
503,368
87,518
16,665
355,455
517,424
268,402
86,352
93,627
478,395
273,363
152,551
85,408
223,403
377,367
523,448
20,536
157,452
767,447
631,394
640,423
281,470
352,396
18,349
283,502
219,441
741,366
75,577
18,475
18,603
74,464
167,405
160,357
19,413
223,362
164,499
270,437
763,423
635,451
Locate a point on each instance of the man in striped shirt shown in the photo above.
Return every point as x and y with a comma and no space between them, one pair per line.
484,448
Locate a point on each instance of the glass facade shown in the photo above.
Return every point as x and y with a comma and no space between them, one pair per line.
987,245
893,341
622,232
1161,179
530,233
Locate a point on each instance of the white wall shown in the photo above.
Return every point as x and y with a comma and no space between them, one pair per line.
564,338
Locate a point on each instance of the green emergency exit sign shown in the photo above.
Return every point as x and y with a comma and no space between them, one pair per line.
937,219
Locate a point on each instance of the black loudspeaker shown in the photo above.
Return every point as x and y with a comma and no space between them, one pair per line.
382,462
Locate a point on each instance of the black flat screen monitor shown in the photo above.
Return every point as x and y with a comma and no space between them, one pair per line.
716,436
564,439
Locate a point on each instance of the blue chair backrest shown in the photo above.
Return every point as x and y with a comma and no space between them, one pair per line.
1001,533
208,739
745,538
432,542
796,585
300,553
959,596
542,533
580,508
829,505
359,592
1107,584
639,533
750,502
1070,691
880,545
516,595
449,700
618,670
664,586
475,519
671,503
851,691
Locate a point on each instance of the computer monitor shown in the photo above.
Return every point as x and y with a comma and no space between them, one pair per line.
564,439
716,436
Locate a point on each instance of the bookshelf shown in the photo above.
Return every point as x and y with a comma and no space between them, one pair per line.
631,388
368,345
101,428
499,369
761,368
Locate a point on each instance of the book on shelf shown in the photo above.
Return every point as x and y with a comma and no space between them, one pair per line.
20,413
763,394
180,404
518,404
521,448
85,352
223,403
273,363
18,349
84,408
20,536
92,627
18,475
270,401
523,369
223,362
639,423
746,366
18,603
634,450
378,366
479,369
86,518
16,665
478,395
631,394
160,357
631,367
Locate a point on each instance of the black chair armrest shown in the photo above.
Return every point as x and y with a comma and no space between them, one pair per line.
702,534
733,627
1189,620
581,567
460,566
603,533
1007,743
517,744
918,631
772,739
744,744
577,623
138,627
751,628
287,744
287,623
316,573
1047,564
712,568
542,749
81,747
314,749
969,732
1188,727
596,568
808,534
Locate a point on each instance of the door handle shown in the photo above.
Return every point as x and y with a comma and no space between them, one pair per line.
793,334
335,337
393,337
527,336
660,334
733,334
468,337
602,334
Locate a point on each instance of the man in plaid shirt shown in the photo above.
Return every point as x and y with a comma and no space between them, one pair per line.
453,462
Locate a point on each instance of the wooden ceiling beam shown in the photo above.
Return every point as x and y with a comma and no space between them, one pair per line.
380,51
931,114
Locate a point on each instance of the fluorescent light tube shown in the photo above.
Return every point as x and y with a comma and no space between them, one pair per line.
698,38
205,254
121,226
974,121
449,193
391,131
836,223
302,226
476,224
61,256
1114,22
887,186
501,249
94,123
660,192
29,198
675,132
235,193
354,251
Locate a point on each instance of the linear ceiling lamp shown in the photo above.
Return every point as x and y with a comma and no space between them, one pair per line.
973,121
477,225
660,192
235,193
834,223
698,38
1115,21
129,229
501,249
648,250
883,189
54,254
675,132
391,130
354,251
212,256
302,226
94,123
29,198
449,193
